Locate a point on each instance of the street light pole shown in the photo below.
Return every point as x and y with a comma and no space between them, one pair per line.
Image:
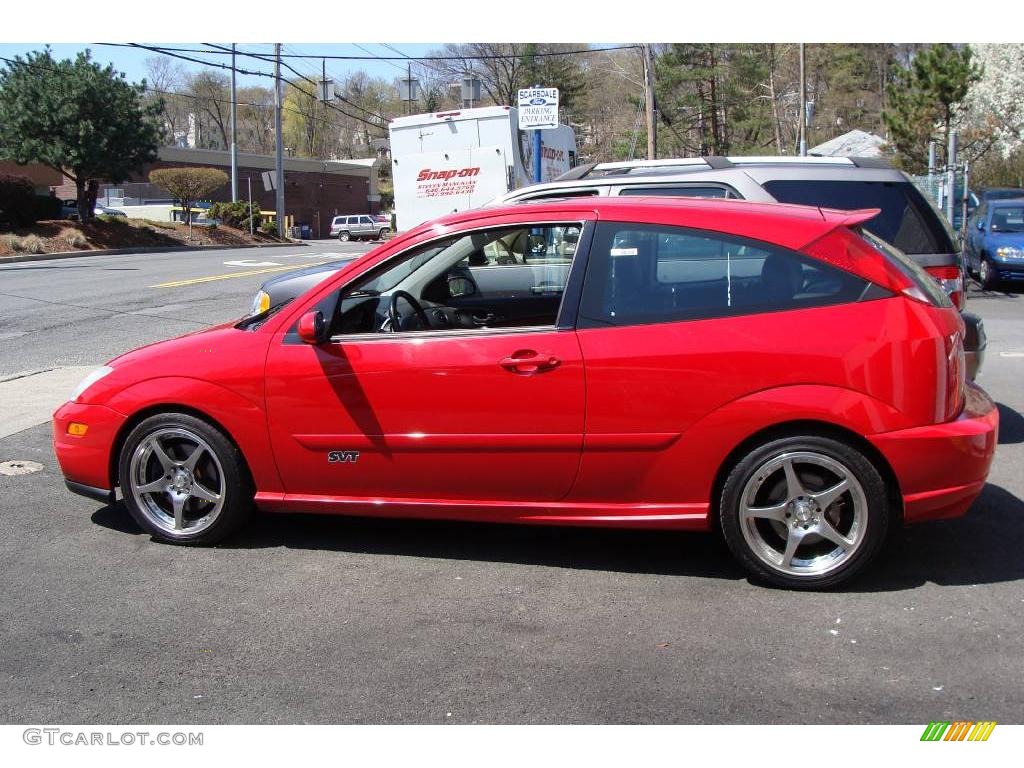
278,142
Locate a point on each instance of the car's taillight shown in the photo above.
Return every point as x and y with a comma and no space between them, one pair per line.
956,373
951,280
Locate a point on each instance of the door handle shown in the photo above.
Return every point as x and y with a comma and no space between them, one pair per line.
527,361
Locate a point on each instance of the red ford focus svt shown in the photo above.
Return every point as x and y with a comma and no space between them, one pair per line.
774,373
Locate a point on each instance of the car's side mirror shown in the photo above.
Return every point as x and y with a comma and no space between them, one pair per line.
313,328
459,287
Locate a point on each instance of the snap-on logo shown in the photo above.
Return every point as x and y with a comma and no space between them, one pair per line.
428,175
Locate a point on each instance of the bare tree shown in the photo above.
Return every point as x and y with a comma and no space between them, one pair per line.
164,78
209,95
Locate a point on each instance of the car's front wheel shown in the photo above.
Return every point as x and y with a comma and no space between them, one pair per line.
183,481
383,233
986,274
804,512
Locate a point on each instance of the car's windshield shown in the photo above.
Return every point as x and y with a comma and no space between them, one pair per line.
1008,219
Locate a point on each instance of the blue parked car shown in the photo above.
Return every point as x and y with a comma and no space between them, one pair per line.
994,249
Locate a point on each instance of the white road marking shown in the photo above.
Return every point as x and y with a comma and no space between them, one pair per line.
252,263
1011,354
30,399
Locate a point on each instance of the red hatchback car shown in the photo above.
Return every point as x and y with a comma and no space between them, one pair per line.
773,372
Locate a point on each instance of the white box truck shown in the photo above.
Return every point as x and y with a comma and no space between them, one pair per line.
446,162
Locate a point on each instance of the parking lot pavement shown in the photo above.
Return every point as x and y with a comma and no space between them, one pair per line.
318,619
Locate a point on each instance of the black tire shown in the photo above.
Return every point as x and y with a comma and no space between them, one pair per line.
868,504
219,457
986,275
344,236
383,233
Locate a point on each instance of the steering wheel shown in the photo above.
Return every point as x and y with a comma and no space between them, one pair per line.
396,318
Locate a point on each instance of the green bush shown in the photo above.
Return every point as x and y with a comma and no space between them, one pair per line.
112,219
17,199
268,228
237,214
47,207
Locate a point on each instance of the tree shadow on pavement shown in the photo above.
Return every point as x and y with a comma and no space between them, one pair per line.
983,547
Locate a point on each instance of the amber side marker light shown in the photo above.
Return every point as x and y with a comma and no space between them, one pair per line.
77,430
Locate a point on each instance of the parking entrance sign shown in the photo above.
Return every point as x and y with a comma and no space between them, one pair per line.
538,108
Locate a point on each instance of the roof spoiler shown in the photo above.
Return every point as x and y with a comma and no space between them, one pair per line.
577,173
871,162
848,218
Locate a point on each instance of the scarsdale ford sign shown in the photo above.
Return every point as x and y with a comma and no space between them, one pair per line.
538,108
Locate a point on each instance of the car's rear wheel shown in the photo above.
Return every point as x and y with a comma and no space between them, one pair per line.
183,480
344,236
804,512
383,233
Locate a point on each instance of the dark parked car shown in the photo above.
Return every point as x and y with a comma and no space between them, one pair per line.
994,249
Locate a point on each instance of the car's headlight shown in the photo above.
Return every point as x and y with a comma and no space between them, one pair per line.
88,381
1009,252
260,303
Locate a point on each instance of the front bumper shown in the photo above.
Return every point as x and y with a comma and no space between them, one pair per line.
86,461
942,468
1008,270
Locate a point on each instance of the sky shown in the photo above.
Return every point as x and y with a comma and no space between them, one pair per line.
132,61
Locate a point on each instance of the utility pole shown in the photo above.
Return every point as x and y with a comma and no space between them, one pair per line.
951,176
279,142
652,125
931,158
803,105
234,130
408,104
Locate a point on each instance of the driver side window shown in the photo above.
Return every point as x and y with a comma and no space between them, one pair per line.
508,277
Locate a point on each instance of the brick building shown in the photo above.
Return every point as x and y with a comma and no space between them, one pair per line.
43,179
314,190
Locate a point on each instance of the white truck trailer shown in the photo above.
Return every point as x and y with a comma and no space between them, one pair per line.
451,161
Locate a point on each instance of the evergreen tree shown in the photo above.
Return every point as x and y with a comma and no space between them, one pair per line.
925,97
78,118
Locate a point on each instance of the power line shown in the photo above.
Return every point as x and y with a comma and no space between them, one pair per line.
403,57
168,52
289,67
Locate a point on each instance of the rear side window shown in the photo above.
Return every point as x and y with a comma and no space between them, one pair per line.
907,220
641,273
676,191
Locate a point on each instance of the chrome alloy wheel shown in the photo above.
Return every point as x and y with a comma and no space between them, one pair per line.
803,513
177,481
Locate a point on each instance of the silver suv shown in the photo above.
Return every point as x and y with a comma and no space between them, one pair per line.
358,226
907,219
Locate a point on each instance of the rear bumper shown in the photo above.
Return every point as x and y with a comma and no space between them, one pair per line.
85,461
942,468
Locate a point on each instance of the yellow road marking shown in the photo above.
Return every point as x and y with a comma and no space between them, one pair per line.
229,275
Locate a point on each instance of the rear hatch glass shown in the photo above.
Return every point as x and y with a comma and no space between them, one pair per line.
907,220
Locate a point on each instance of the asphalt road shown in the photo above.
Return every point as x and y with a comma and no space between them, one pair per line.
314,619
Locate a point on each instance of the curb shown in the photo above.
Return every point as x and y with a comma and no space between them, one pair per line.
125,251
